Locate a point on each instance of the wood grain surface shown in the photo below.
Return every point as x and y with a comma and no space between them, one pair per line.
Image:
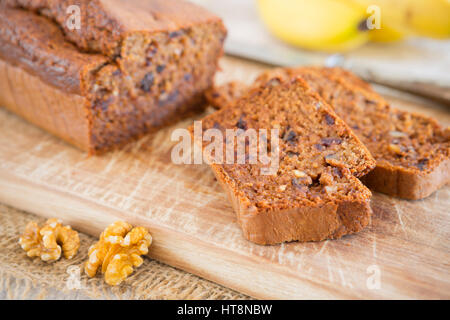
194,227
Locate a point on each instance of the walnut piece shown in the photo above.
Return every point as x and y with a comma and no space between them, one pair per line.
395,149
299,174
118,250
48,242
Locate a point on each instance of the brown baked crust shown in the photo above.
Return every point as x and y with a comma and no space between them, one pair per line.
406,183
60,113
412,151
319,199
312,222
158,76
38,46
105,23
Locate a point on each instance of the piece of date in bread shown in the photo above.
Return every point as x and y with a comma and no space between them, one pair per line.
314,194
131,67
412,151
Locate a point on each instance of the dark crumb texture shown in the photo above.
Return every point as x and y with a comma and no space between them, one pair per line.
412,151
160,78
314,195
139,64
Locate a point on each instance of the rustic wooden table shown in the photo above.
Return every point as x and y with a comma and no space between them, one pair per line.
406,245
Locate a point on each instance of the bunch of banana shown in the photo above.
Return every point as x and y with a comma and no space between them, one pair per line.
341,25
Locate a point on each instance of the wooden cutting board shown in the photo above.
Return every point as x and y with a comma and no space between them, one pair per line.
406,247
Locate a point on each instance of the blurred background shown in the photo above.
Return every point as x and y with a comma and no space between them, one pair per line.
403,44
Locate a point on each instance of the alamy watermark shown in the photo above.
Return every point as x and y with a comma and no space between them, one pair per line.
374,20
73,21
373,281
73,282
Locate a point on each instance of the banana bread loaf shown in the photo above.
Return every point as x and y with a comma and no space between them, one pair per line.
314,194
131,67
412,151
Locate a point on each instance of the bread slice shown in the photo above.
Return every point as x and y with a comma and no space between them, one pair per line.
412,151
314,194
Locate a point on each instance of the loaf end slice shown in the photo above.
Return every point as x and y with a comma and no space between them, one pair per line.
136,65
314,194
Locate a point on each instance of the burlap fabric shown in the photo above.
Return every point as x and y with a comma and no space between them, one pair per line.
25,278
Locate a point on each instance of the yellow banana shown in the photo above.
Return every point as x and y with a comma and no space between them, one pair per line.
387,34
429,18
326,25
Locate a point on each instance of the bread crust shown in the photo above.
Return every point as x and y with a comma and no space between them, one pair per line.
107,22
60,113
303,224
406,183
35,44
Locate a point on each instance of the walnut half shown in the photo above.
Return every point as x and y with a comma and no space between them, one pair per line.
48,242
118,250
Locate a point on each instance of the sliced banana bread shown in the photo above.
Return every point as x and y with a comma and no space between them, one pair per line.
412,151
314,194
